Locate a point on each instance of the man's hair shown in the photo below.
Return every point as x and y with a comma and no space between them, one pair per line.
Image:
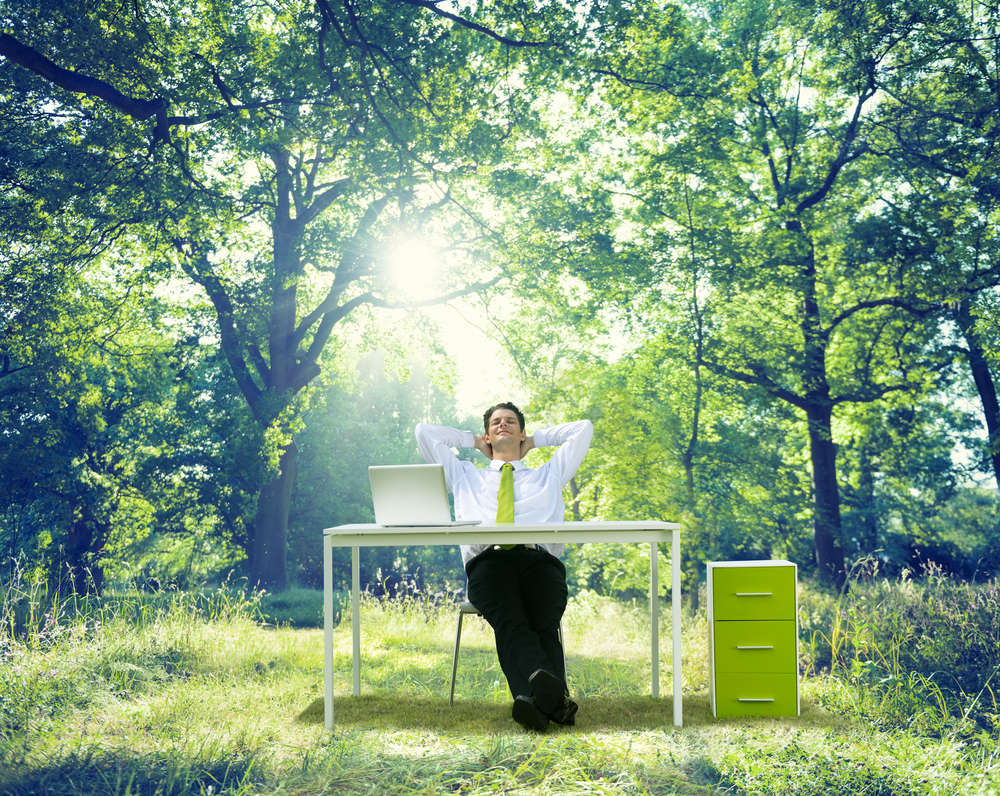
504,405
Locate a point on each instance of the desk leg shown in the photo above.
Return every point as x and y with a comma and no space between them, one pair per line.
675,602
654,617
356,618
328,633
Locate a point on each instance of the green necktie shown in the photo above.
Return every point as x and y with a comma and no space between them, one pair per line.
505,496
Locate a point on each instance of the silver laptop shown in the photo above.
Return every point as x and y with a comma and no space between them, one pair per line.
411,495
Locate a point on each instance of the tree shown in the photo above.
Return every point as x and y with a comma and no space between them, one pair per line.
77,367
350,424
897,471
75,415
763,114
936,129
295,143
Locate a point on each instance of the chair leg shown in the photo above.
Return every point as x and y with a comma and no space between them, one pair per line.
454,660
562,647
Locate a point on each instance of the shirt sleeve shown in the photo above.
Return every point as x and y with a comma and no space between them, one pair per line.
435,444
573,440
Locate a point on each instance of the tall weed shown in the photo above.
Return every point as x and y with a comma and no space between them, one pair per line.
151,695
923,653
64,652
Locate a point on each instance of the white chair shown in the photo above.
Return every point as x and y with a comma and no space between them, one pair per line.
468,608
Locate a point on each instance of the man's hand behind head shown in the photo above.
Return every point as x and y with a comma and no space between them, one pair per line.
484,446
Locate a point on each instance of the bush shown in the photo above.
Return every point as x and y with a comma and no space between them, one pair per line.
300,607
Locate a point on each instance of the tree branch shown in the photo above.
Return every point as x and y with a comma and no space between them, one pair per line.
871,394
323,201
330,319
79,83
759,379
651,85
844,154
195,265
475,287
432,6
345,273
919,311
139,109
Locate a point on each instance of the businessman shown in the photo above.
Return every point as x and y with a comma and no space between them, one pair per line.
519,589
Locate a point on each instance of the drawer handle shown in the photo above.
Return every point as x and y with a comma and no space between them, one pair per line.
755,646
755,594
748,699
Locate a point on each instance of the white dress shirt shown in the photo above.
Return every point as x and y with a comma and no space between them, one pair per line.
537,493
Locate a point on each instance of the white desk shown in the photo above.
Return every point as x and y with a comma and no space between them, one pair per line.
356,536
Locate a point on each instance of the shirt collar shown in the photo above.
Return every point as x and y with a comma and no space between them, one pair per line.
496,464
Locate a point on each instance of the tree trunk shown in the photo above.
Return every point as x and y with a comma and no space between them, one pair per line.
868,541
826,496
691,450
574,490
78,570
267,554
819,413
985,385
687,459
267,547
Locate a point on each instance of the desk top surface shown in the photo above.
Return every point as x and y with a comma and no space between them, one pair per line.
551,531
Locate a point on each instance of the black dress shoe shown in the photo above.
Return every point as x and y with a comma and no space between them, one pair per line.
567,715
548,690
527,714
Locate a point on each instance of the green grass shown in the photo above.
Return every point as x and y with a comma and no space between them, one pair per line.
203,693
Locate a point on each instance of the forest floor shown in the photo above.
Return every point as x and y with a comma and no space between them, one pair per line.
199,695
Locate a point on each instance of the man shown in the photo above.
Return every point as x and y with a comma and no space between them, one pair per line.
519,589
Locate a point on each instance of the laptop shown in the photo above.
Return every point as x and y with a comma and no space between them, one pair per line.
411,495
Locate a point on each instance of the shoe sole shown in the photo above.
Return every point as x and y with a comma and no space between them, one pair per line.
548,691
529,716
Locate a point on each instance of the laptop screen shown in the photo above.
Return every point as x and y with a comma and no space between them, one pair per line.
409,494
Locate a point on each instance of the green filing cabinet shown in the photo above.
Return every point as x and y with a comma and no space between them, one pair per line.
753,638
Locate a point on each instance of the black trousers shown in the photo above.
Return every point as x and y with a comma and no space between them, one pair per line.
522,594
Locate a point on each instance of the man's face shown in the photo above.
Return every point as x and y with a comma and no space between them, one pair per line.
504,428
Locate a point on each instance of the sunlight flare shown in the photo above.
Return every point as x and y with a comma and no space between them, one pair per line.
414,266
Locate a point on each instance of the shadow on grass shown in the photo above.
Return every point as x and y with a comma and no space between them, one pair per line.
597,714
390,711
109,771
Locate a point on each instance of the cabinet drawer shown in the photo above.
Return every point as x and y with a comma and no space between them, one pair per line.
755,695
753,592
755,646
